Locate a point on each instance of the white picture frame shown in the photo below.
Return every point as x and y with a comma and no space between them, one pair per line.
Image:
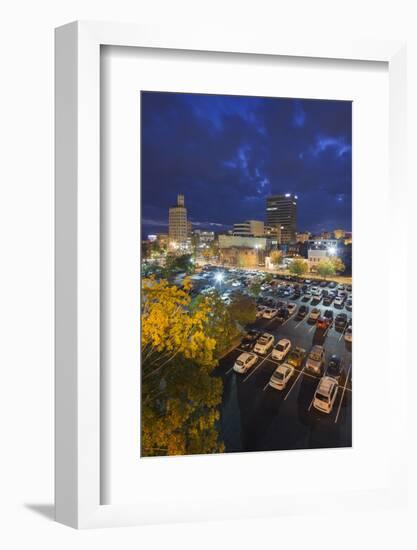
77,237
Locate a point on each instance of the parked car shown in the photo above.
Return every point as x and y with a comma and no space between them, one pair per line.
328,314
341,321
325,395
322,323
283,314
260,311
323,284
348,334
306,297
302,312
296,357
348,305
281,376
291,306
264,343
338,302
316,300
327,300
332,284
281,349
270,313
244,362
335,368
249,340
315,359
314,315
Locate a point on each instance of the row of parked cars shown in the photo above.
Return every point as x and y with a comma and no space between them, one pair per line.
323,321
290,358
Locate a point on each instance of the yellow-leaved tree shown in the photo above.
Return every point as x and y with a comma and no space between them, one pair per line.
180,395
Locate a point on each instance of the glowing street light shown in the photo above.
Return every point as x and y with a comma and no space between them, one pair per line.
332,251
219,277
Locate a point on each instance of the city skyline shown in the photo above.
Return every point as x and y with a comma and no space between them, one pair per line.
227,154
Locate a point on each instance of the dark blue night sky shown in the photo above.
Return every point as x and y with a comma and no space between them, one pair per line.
228,153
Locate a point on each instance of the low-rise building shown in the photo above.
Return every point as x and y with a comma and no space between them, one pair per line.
249,228
303,237
243,251
315,256
229,241
339,233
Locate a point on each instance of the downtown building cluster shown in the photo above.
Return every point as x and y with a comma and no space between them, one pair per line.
250,242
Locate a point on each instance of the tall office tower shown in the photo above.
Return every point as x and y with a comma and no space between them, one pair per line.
281,210
178,227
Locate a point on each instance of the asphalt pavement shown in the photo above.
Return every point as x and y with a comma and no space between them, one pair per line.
257,417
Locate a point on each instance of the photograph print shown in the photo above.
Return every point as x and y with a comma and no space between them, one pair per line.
246,274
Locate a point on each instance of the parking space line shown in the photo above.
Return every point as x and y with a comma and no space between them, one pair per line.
266,386
343,333
295,382
298,324
309,408
256,368
286,321
343,395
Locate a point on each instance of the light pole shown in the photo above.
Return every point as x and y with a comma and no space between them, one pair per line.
219,278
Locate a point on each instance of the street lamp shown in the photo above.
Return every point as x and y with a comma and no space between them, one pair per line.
332,250
219,277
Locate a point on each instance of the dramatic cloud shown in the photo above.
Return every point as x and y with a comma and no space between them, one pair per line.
227,154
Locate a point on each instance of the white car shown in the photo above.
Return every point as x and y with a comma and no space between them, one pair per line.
244,362
269,313
281,350
280,376
264,343
236,283
348,334
316,291
325,394
291,307
338,301
315,359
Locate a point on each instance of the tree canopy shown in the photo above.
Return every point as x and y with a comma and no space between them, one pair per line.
180,395
276,257
298,267
243,309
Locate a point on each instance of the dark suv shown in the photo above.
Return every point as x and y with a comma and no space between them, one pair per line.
250,339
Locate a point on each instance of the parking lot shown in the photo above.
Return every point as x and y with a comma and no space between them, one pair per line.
257,417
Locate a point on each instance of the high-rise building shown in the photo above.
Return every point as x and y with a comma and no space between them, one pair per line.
281,210
274,232
249,228
178,226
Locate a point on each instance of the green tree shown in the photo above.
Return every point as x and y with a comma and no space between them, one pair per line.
326,268
338,265
180,396
179,264
298,267
243,309
221,326
255,289
276,257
